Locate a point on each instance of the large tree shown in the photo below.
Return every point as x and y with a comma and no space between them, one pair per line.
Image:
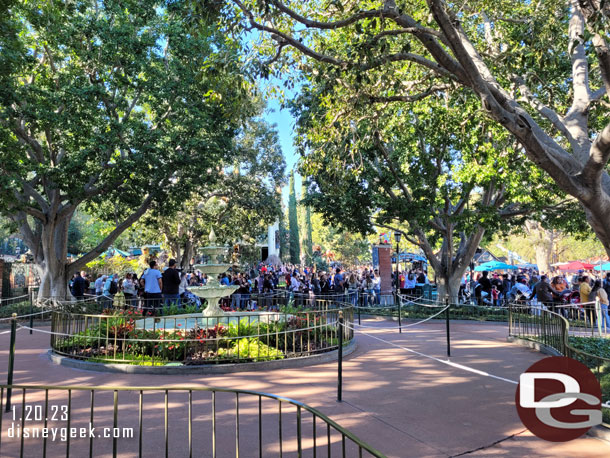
113,106
436,166
541,70
293,223
306,238
239,205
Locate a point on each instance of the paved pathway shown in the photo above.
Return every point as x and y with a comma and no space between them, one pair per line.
400,403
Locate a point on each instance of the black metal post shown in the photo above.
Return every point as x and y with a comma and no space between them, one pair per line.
358,311
447,325
340,360
399,313
11,362
31,313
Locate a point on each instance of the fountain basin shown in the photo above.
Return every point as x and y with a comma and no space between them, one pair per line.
192,320
212,269
214,291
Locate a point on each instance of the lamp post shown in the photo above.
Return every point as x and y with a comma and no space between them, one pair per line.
396,297
397,236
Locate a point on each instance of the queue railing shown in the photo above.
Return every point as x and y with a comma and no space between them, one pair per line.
167,421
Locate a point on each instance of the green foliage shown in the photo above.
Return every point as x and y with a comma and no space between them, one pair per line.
113,264
308,229
596,346
252,349
293,223
112,107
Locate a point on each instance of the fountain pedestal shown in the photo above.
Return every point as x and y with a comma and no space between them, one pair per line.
213,291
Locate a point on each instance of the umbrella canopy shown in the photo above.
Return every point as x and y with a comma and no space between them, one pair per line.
605,266
528,266
494,265
576,265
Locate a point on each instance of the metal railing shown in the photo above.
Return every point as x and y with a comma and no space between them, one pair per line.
555,331
171,422
130,337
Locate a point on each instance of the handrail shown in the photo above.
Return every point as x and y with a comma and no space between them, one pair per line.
362,446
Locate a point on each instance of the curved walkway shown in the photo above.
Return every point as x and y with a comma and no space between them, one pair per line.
400,403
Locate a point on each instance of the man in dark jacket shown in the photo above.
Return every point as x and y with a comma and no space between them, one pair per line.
543,291
78,287
485,287
171,284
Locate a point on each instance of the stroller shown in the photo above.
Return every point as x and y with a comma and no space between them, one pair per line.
189,300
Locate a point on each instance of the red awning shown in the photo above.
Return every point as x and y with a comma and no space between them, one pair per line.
576,265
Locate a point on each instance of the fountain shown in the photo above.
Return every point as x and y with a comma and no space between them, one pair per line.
213,291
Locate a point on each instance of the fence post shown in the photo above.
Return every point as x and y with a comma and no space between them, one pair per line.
358,308
11,362
31,313
447,325
399,313
340,360
510,318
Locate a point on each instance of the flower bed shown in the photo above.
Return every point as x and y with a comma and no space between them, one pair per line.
122,337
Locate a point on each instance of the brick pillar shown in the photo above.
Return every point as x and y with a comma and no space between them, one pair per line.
385,273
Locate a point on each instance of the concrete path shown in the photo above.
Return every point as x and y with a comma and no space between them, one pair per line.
400,403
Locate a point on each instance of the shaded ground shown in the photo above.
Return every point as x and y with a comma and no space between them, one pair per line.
400,403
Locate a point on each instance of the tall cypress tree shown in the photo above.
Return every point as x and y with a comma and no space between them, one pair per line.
283,236
307,236
293,224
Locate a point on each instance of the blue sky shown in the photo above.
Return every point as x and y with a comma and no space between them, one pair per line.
284,123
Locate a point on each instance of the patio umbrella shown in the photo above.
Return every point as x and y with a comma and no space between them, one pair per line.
605,266
494,265
576,265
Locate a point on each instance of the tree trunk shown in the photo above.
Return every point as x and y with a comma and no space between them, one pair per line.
543,255
53,264
449,286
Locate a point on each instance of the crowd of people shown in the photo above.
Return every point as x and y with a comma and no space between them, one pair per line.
156,288
552,292
361,286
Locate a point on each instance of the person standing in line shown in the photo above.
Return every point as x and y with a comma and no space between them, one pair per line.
79,287
99,285
171,285
599,291
153,284
129,290
110,289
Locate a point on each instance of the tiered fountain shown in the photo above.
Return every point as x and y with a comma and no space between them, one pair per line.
213,291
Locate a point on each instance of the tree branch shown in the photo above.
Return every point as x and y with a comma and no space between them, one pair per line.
104,244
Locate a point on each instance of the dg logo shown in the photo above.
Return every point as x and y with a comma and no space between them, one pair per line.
559,399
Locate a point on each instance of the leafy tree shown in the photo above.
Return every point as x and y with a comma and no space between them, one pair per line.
349,248
109,106
284,250
307,244
293,223
435,165
540,70
240,205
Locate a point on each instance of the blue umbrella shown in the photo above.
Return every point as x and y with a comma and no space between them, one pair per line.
605,266
494,265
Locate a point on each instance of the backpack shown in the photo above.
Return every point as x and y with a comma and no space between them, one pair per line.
114,288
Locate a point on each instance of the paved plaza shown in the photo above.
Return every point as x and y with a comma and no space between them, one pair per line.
401,403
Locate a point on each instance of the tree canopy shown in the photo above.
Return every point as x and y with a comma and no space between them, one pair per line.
112,106
540,70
